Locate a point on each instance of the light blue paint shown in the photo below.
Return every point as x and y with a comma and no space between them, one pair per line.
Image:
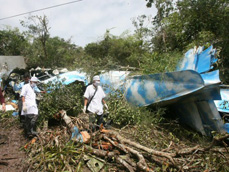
14,101
77,135
198,60
222,105
211,77
68,78
204,60
226,127
148,89
113,80
15,113
193,83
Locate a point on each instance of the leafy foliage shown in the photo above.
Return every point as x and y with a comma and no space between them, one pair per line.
44,50
38,27
12,42
160,62
116,49
123,113
192,23
61,97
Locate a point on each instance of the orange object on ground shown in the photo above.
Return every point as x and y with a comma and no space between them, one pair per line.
86,136
31,142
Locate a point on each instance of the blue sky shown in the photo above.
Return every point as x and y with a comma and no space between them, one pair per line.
84,22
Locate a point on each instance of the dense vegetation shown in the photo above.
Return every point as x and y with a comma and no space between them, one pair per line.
155,47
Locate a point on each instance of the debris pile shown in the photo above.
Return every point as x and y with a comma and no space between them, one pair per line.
64,147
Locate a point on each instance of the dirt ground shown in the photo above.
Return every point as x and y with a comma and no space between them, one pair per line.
12,140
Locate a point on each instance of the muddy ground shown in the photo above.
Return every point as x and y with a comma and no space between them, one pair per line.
12,141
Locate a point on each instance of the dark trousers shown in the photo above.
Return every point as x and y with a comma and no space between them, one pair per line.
21,117
99,119
94,118
30,124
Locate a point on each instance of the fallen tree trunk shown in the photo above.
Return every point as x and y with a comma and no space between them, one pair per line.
148,150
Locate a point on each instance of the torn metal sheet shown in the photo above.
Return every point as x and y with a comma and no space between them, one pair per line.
198,59
144,90
78,136
200,115
189,60
191,91
68,78
222,104
94,164
211,77
113,80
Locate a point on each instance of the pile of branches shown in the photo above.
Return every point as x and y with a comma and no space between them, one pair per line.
53,150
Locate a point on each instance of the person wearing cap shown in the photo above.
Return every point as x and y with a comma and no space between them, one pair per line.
18,87
26,77
94,98
29,106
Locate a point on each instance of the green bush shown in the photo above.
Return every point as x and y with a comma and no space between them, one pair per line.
66,97
122,113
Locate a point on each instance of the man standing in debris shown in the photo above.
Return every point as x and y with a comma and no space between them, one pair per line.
29,106
94,98
18,88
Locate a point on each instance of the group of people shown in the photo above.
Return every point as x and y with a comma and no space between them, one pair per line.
28,110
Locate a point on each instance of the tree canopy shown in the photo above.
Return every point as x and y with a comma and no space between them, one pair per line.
156,45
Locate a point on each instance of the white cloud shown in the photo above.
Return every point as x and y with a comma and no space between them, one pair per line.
85,21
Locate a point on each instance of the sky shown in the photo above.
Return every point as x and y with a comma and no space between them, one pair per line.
84,21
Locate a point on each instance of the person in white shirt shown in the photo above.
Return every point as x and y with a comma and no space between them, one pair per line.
29,106
94,98
17,89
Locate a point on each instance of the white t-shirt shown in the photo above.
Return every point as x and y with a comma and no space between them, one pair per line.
30,100
96,105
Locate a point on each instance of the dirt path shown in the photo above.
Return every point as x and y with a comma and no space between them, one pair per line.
12,157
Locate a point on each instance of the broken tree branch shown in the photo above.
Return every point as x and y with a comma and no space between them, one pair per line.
115,155
151,151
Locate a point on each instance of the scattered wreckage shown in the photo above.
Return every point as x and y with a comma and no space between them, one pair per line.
194,90
45,76
72,144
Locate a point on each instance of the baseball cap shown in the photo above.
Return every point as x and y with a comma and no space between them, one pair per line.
34,79
96,78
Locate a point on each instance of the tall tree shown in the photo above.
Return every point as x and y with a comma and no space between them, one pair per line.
39,30
193,22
